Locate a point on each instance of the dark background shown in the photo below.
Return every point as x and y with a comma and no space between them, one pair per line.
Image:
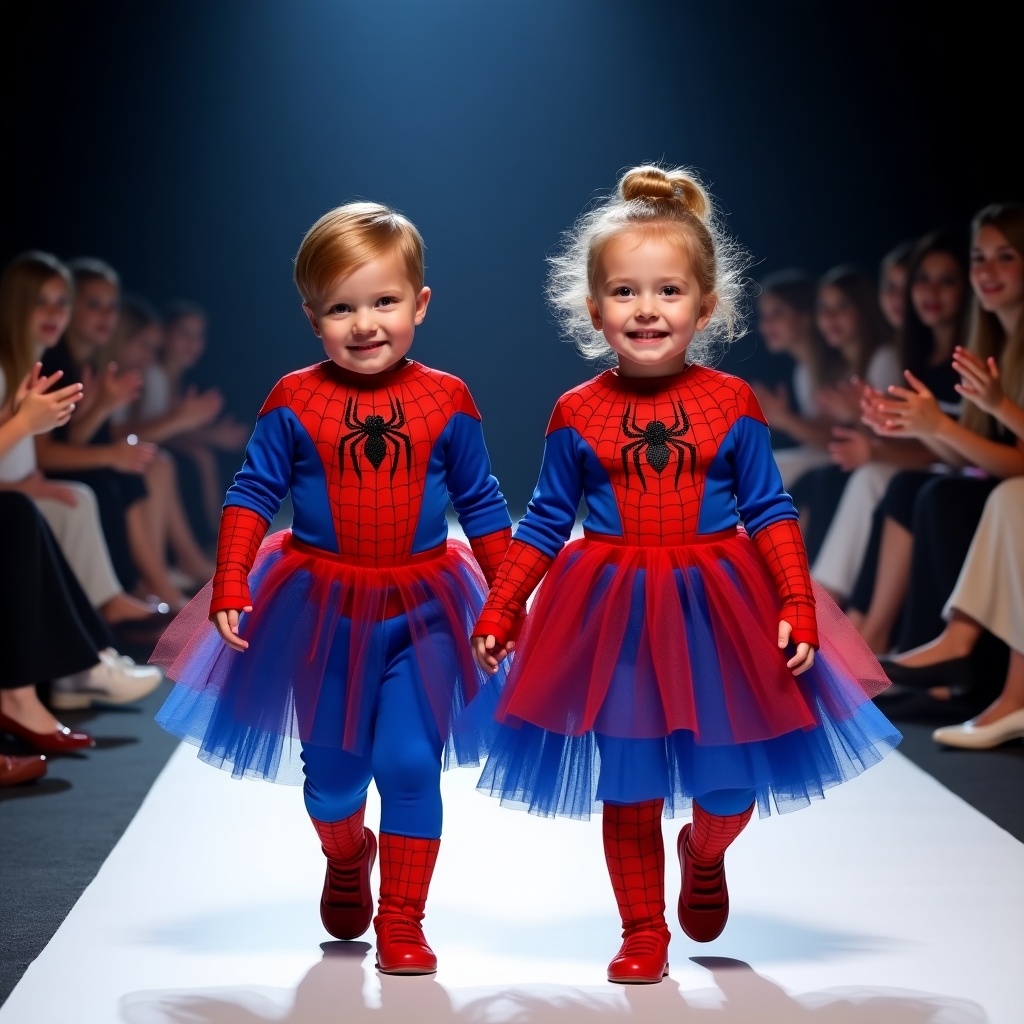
192,143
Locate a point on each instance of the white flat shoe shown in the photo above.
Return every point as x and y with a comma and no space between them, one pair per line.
982,737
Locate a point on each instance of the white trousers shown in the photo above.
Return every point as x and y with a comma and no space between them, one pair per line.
990,588
843,549
80,536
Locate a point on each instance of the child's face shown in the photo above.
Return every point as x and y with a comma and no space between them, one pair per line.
185,340
937,290
648,304
890,294
838,319
50,315
95,311
997,271
368,318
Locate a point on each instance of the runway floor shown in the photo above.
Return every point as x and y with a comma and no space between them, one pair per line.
891,902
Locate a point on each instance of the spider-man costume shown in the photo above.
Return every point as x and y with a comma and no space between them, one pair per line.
648,673
357,638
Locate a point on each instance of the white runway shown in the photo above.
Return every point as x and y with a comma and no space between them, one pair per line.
891,902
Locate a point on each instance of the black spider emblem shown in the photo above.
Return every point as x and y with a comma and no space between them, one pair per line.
378,434
655,441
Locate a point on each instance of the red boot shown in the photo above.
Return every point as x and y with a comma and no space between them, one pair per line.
406,866
704,895
635,854
346,906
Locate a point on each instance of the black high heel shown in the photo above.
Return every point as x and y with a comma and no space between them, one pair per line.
957,674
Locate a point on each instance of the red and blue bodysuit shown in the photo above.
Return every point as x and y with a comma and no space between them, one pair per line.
358,657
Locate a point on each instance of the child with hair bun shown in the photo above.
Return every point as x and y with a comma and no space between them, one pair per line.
346,635
674,657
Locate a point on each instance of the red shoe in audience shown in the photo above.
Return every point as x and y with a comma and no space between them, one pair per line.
61,741
17,770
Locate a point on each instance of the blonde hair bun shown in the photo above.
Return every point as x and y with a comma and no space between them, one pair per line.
652,184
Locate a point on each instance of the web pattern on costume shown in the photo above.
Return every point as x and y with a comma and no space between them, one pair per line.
406,868
664,507
712,834
375,512
635,854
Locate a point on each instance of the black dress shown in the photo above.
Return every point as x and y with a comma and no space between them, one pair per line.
47,626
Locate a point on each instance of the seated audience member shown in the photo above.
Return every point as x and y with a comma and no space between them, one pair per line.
977,446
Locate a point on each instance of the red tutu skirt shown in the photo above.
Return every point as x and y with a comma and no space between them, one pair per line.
319,637
647,672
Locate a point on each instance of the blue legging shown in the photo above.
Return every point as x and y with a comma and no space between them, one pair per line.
403,755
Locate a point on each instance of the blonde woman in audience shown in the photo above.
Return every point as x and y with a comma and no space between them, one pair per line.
919,507
35,299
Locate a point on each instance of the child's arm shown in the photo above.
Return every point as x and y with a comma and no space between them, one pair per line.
250,505
539,537
473,489
770,518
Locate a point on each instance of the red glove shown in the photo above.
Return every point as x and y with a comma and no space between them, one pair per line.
523,568
490,550
241,533
782,548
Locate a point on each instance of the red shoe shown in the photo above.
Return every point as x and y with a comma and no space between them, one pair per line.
16,770
704,896
61,741
642,959
402,947
346,906
406,868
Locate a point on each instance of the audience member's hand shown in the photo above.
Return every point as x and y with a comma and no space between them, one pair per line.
850,448
40,409
116,389
774,402
131,457
228,435
979,381
37,486
909,412
199,409
842,401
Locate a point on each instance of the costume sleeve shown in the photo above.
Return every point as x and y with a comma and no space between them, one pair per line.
472,487
770,517
489,550
265,477
540,535
241,533
523,568
782,548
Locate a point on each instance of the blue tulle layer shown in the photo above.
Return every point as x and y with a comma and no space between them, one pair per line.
322,641
551,774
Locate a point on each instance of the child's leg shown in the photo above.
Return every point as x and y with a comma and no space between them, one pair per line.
635,854
335,796
407,771
718,819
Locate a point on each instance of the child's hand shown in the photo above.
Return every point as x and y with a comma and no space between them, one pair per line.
227,625
488,654
804,657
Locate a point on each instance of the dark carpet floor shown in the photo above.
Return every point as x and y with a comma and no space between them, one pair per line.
56,833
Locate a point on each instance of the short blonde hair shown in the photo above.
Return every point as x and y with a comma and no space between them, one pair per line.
350,236
661,202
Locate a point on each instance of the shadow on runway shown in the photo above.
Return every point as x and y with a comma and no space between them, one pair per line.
339,990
